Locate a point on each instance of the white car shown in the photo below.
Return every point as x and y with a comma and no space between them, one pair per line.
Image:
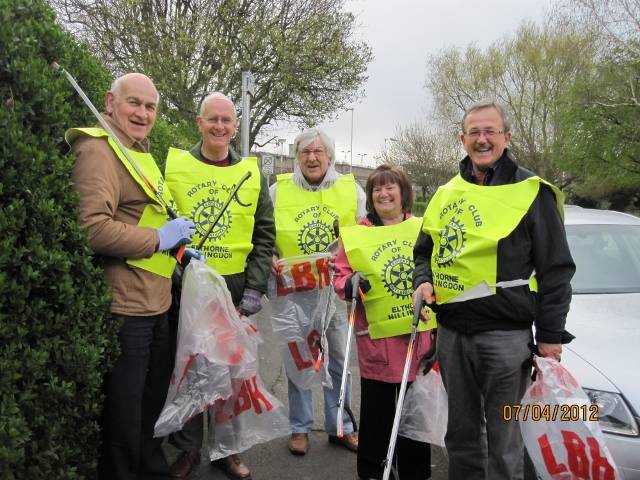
605,318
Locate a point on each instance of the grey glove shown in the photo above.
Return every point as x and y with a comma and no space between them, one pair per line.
251,302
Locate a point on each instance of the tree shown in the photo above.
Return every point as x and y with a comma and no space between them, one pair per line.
618,20
430,158
527,74
599,142
56,337
302,53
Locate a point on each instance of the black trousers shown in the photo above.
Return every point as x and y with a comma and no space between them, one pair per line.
412,459
135,392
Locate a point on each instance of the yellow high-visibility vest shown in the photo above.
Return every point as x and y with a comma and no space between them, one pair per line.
304,219
154,214
466,221
384,255
200,191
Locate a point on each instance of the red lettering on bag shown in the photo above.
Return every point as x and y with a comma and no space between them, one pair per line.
303,279
301,364
257,396
576,454
601,469
313,340
549,458
324,278
283,290
243,402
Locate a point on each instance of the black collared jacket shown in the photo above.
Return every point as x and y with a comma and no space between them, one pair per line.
539,242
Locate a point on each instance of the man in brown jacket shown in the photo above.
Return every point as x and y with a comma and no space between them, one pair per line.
113,198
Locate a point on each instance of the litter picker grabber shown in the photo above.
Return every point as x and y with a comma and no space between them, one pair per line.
105,126
325,325
232,195
330,248
387,463
355,282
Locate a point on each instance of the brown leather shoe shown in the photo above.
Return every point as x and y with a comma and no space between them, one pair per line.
185,464
233,467
298,443
349,441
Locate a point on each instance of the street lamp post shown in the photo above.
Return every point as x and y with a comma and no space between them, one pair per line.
279,144
351,142
362,155
345,156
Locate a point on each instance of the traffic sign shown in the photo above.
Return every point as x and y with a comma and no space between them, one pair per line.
267,164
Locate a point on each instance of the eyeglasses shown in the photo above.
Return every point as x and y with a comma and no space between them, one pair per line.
488,132
317,152
224,120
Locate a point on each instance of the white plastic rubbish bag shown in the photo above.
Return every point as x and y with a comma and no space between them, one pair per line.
211,337
560,428
425,410
251,416
302,304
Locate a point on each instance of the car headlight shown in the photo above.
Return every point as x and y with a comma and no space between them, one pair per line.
613,413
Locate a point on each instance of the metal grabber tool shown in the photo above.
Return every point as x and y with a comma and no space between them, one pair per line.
403,387
105,126
233,194
331,248
355,282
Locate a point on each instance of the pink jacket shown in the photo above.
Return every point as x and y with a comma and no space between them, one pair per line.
381,359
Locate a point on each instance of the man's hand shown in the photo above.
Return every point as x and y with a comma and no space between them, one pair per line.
427,294
250,303
550,350
175,233
192,253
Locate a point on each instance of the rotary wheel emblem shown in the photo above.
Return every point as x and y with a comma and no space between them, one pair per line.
314,237
452,240
205,213
397,276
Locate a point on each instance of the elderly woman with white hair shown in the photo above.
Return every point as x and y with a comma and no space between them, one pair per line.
296,197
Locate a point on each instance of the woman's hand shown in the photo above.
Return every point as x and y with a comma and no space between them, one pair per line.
275,267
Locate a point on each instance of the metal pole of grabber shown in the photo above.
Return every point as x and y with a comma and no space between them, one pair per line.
233,194
355,290
403,388
105,126
179,252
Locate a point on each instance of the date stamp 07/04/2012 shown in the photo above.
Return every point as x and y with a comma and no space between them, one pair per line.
549,413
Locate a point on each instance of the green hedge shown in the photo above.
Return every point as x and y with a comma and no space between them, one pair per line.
56,340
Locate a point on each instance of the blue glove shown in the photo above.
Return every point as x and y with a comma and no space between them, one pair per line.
175,233
189,254
251,302
193,254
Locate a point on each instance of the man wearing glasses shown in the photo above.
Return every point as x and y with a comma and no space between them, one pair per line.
306,205
492,260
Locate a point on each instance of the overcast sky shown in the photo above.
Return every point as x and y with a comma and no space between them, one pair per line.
402,33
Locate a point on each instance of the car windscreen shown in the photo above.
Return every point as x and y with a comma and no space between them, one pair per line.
607,258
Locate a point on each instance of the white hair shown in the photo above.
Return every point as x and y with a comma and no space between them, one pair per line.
117,84
216,96
308,136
